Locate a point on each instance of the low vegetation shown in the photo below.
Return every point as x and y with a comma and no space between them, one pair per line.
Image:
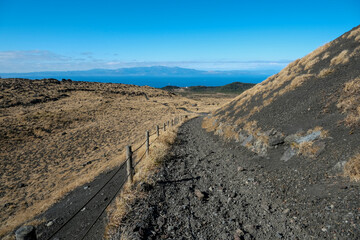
352,168
52,132
349,102
232,88
159,152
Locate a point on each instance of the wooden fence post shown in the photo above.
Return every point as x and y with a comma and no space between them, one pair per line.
157,130
26,233
164,127
172,122
147,143
129,164
168,123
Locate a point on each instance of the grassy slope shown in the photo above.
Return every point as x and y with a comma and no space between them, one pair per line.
52,132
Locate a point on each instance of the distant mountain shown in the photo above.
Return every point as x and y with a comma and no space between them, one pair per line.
155,71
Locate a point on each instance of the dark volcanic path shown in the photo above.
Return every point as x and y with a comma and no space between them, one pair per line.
209,189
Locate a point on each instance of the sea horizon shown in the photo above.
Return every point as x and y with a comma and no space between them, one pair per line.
159,81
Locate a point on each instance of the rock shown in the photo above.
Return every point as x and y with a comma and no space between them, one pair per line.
247,236
238,235
250,228
145,187
291,138
329,207
276,139
339,166
247,140
22,185
250,179
288,154
240,169
26,232
8,204
286,211
296,138
87,163
200,195
279,235
309,137
161,221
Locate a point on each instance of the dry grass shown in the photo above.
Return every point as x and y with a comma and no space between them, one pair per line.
229,133
325,56
325,72
45,147
349,103
307,149
311,63
159,151
342,58
209,124
352,168
354,33
323,133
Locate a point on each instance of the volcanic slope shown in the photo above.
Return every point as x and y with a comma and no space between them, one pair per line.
305,120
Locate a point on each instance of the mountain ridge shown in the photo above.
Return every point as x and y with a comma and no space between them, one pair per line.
153,71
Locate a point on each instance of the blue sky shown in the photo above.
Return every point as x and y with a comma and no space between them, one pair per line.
39,35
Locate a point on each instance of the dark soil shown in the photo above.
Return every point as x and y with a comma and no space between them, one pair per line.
65,221
211,189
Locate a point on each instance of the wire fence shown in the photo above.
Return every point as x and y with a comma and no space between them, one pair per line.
129,173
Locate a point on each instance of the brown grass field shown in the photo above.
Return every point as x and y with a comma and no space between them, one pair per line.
55,136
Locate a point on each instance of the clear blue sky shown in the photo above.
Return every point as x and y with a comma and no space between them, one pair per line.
40,35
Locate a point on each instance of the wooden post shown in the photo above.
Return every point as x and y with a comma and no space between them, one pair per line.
26,233
157,130
129,164
168,123
147,143
164,127
172,122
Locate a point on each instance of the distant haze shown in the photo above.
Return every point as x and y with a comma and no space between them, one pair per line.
157,76
155,71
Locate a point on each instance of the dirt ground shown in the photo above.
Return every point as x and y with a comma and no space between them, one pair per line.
212,189
58,135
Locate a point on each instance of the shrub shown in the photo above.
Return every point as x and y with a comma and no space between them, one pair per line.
352,168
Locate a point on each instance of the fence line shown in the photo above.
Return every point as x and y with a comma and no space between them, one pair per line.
129,173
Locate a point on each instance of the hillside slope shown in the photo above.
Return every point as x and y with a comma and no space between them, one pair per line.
308,107
303,125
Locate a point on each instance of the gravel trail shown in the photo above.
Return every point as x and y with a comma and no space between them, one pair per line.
209,189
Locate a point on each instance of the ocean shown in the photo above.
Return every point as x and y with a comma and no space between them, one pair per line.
159,82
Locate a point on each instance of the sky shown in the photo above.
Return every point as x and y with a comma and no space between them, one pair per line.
43,35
